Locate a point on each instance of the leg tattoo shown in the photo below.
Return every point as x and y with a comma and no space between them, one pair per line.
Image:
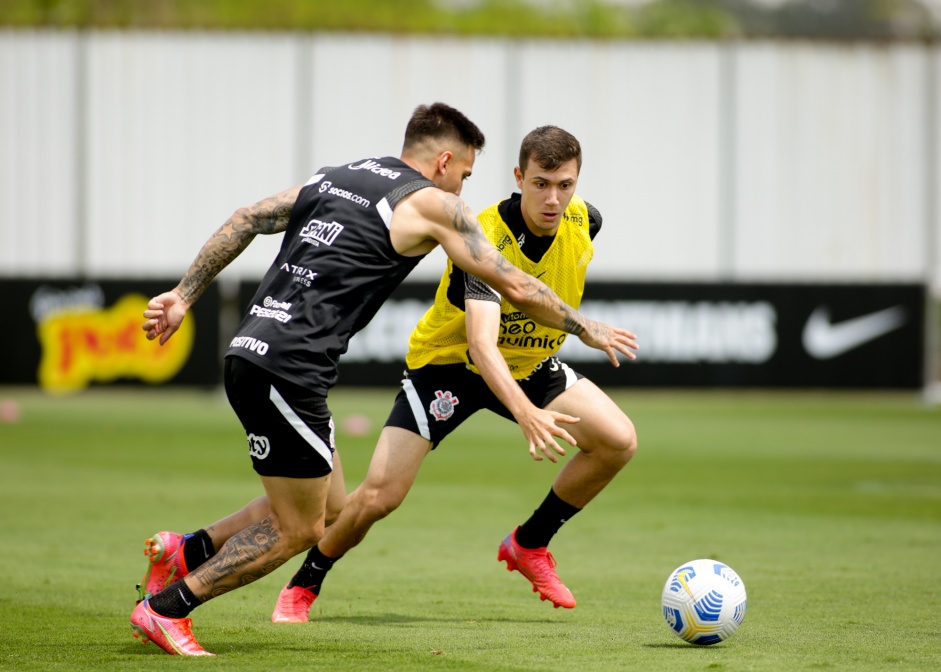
244,558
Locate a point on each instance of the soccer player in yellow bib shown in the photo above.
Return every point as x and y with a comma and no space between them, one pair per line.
474,350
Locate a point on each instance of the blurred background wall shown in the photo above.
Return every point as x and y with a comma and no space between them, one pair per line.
775,160
719,161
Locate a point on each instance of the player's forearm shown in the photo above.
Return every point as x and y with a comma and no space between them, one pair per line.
270,215
541,304
477,255
482,325
530,295
496,374
218,252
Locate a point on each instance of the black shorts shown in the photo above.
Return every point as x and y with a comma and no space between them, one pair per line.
289,428
436,399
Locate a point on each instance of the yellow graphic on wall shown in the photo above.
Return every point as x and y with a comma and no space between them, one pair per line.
84,344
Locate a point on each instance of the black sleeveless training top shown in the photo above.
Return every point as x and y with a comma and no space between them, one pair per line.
335,269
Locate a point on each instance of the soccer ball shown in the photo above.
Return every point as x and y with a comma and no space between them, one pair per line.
703,601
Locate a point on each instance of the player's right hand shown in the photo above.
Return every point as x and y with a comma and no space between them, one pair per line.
163,316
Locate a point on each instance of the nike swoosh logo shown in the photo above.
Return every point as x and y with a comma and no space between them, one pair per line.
541,274
824,340
182,597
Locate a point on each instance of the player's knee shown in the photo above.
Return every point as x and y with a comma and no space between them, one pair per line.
307,537
629,438
377,503
298,535
622,443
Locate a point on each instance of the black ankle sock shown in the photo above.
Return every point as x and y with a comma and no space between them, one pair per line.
197,548
312,573
175,601
545,522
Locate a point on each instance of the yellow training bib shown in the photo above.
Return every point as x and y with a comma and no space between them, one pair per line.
441,338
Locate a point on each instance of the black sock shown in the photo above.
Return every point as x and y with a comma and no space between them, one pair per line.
545,522
175,601
312,573
197,548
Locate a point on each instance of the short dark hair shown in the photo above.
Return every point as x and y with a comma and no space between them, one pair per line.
442,121
550,147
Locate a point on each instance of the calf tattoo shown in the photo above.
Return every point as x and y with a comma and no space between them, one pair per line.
243,559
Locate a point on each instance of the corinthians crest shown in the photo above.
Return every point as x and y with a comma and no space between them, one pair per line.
442,406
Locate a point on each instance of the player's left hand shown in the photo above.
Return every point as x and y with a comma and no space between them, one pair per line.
610,340
539,427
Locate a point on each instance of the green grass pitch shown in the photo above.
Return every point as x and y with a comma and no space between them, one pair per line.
827,505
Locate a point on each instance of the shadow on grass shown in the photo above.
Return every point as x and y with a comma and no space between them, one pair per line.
134,648
681,645
404,619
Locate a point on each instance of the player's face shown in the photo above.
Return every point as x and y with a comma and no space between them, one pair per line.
546,194
454,169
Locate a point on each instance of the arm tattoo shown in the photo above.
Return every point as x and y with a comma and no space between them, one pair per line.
243,559
268,216
563,316
571,323
482,250
467,225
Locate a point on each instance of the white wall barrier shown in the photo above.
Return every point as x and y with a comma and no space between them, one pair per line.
752,162
761,161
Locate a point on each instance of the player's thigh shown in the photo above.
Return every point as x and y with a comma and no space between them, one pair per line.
602,424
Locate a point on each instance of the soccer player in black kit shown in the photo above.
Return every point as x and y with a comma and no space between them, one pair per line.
351,235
